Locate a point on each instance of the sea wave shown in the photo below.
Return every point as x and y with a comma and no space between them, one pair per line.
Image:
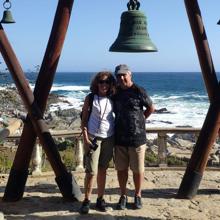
185,106
180,97
69,88
64,88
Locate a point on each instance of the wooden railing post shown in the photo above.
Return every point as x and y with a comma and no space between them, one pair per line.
79,155
36,160
162,149
161,142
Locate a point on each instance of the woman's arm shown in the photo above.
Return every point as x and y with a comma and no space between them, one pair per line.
84,121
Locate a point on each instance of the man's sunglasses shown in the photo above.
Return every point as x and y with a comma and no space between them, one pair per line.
119,75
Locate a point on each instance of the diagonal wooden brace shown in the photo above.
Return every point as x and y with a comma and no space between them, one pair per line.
35,105
194,172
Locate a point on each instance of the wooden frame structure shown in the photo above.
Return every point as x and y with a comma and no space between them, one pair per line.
193,175
36,103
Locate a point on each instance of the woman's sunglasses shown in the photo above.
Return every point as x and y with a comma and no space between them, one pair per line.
106,81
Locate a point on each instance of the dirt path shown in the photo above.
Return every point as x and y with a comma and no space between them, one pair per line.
42,199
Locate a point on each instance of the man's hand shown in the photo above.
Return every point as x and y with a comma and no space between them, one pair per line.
149,111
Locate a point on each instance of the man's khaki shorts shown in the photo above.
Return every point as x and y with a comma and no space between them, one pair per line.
130,156
100,157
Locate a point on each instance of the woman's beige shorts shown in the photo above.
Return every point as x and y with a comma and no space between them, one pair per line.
99,158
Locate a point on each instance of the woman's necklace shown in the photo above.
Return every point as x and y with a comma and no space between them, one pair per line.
100,112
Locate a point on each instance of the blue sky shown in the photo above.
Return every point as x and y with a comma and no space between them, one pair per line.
94,26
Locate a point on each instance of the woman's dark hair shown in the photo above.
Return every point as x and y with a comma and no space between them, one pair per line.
99,76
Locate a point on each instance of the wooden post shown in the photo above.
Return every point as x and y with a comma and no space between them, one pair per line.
36,105
79,156
162,149
193,175
36,160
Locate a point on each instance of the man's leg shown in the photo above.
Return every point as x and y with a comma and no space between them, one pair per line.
138,180
122,180
121,165
137,156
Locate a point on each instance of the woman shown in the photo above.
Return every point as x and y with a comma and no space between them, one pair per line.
98,129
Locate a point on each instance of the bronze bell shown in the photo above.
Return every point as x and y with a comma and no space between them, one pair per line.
133,35
7,17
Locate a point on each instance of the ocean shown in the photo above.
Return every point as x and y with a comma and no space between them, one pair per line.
183,94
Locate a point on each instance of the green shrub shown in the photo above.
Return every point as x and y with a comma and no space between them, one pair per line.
150,158
175,161
5,164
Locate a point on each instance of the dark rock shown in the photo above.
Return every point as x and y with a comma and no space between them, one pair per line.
161,110
11,105
185,136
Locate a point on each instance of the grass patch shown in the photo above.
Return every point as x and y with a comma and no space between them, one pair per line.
151,159
176,161
5,163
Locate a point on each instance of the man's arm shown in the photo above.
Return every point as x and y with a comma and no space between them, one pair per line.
149,111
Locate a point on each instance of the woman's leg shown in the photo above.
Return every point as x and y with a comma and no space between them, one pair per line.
101,179
106,153
88,184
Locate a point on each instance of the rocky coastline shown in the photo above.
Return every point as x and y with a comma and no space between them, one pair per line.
42,198
11,106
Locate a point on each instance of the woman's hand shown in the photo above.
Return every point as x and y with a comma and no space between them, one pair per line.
86,140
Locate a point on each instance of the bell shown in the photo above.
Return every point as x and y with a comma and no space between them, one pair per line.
133,35
7,17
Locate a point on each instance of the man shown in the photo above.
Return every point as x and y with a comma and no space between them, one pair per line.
132,107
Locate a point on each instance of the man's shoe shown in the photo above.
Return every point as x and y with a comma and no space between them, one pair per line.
137,202
122,203
84,209
100,204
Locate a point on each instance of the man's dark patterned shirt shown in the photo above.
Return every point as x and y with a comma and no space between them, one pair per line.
130,120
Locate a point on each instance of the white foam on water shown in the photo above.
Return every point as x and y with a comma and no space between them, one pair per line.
67,103
59,87
182,112
185,109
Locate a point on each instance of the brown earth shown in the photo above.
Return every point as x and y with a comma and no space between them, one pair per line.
42,199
